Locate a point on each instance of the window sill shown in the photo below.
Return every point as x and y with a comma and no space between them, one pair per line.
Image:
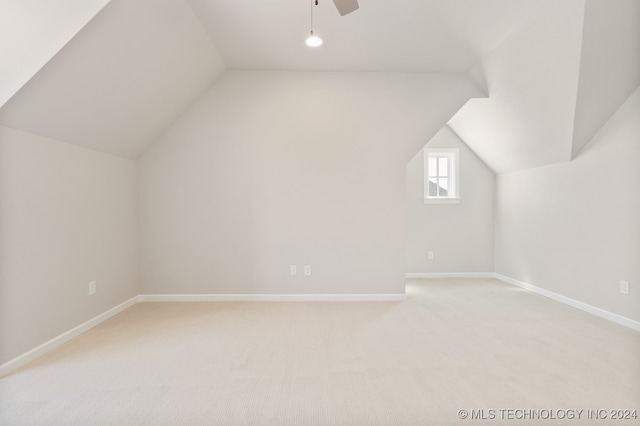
442,200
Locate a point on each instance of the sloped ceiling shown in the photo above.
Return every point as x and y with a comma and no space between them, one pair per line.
554,71
32,32
382,35
553,84
122,80
609,66
532,79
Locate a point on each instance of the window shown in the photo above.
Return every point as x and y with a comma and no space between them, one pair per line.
441,176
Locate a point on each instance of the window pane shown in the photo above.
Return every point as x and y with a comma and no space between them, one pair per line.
433,187
443,163
433,166
443,187
441,175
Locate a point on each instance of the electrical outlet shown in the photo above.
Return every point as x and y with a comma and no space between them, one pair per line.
92,288
293,270
624,287
307,270
430,255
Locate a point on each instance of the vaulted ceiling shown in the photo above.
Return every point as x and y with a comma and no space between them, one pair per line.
383,35
553,83
113,75
32,32
122,80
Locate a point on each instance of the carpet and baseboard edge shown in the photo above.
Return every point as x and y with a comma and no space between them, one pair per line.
618,319
51,344
48,346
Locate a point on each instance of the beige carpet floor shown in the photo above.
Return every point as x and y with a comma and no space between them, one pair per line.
476,345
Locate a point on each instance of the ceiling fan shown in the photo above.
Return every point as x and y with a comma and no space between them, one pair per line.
345,6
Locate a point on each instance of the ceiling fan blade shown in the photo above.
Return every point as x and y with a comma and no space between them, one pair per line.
346,6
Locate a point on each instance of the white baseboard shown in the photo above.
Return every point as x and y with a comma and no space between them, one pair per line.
46,347
411,275
618,319
50,345
272,297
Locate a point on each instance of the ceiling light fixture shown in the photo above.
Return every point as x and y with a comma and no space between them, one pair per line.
313,40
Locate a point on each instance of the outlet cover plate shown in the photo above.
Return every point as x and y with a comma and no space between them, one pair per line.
624,287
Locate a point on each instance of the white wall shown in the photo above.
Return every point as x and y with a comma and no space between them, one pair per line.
574,228
271,169
460,235
67,217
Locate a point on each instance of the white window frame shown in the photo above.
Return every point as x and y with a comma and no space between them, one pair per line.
453,176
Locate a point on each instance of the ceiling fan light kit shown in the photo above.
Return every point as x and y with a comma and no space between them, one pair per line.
344,7
313,40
